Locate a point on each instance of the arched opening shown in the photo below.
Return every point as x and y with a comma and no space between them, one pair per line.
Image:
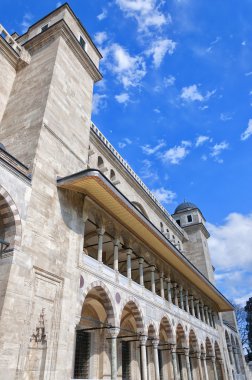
193,351
131,326
150,351
235,355
140,208
229,347
209,359
112,175
10,238
166,338
239,357
219,362
92,352
100,162
181,344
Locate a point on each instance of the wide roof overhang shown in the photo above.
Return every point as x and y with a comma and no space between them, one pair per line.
94,184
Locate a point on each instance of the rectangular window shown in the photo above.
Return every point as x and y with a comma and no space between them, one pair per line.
189,218
82,355
126,360
82,43
44,28
178,222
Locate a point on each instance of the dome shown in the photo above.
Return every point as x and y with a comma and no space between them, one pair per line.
185,206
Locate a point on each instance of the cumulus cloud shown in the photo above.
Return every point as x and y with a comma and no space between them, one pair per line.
128,69
217,149
145,12
192,94
169,81
175,154
100,37
26,22
201,140
147,149
159,49
122,98
164,195
99,102
248,132
101,16
147,171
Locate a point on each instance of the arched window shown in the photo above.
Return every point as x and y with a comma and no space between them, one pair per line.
112,175
100,162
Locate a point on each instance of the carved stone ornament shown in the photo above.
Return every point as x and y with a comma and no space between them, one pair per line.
38,338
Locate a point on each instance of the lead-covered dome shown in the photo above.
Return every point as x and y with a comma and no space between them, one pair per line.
185,206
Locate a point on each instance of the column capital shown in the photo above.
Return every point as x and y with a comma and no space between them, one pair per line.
161,274
173,347
196,302
213,359
101,230
116,241
152,268
143,339
206,308
114,331
198,355
203,355
129,251
186,351
141,260
155,343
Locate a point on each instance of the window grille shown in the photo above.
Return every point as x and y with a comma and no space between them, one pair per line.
125,360
82,355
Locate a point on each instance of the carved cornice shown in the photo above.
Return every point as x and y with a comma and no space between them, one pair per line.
61,29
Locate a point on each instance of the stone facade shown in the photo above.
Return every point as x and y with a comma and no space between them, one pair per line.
97,280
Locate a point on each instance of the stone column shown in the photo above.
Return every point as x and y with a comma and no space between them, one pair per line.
202,313
141,271
210,317
143,340
198,356
214,368
181,296
169,295
188,369
175,293
153,286
100,232
162,285
205,366
197,308
213,319
116,244
114,333
224,376
206,314
237,360
192,306
187,302
129,253
174,362
84,218
155,343
231,355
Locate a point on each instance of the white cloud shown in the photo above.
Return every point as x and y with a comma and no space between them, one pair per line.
126,141
225,116
217,149
147,149
58,4
129,70
175,155
248,132
192,94
230,243
26,22
248,74
102,15
164,196
145,12
201,140
99,102
147,171
156,110
169,81
159,49
122,98
100,37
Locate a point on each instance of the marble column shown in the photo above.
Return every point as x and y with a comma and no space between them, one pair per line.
155,343
174,362
153,285
169,291
214,368
197,308
202,313
205,366
192,306
116,245
223,372
175,293
129,253
237,360
143,340
213,319
188,369
198,356
84,218
162,285
206,314
181,296
210,318
100,232
231,355
114,333
141,271
187,301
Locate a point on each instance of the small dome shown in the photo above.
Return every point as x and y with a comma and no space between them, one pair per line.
185,206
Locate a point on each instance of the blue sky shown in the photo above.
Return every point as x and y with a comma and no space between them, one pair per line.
176,101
